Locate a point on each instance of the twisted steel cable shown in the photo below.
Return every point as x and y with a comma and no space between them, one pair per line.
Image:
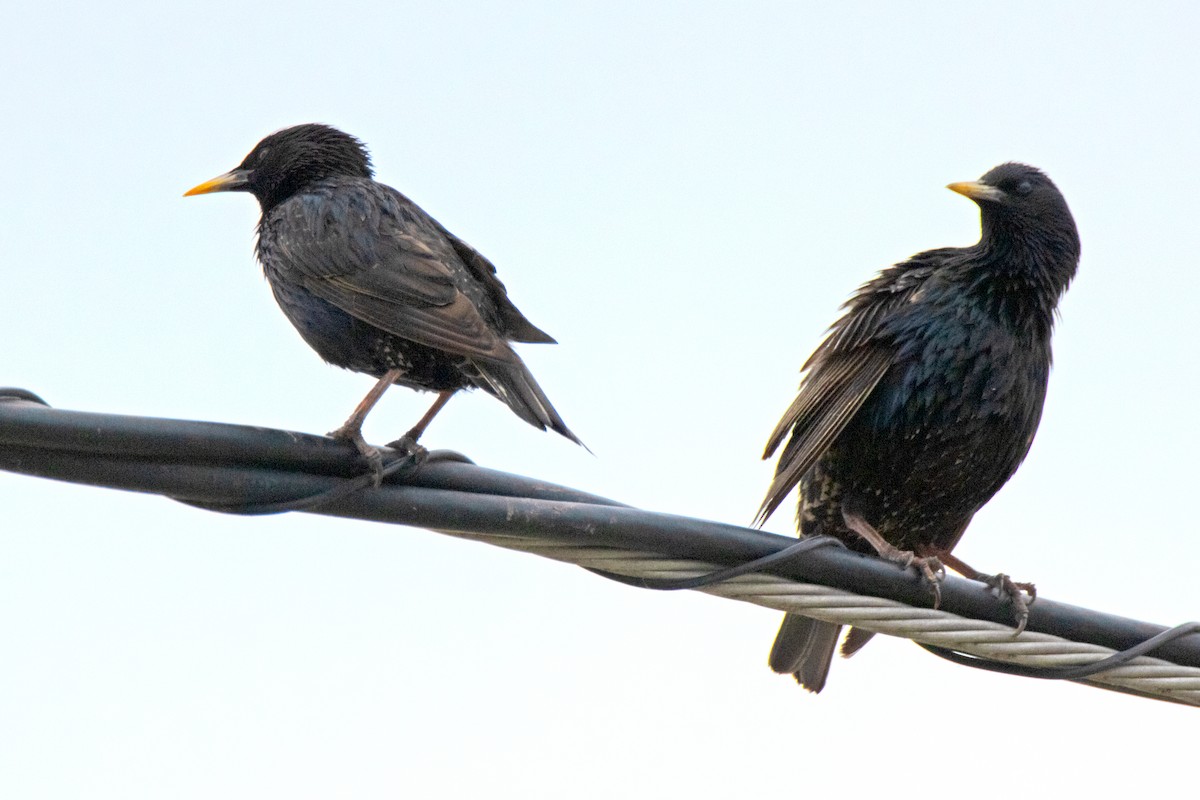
241,469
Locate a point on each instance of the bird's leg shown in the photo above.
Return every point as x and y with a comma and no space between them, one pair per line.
929,566
408,442
351,430
1003,585
355,422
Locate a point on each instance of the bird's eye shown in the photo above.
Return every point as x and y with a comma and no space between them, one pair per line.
1024,188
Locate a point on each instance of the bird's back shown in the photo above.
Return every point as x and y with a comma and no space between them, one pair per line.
348,256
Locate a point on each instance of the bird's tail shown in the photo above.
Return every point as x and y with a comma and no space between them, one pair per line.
512,383
804,647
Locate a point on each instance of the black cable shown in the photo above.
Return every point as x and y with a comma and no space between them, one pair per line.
13,393
251,470
722,575
1072,673
344,488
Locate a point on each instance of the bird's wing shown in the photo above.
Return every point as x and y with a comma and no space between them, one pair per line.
839,377
516,327
375,255
831,394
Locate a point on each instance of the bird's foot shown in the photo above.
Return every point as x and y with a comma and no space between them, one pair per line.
374,458
407,444
1015,592
930,567
1004,586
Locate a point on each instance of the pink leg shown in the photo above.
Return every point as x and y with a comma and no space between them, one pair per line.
929,566
1005,586
351,431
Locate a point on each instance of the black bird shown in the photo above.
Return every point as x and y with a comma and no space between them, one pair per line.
924,398
376,285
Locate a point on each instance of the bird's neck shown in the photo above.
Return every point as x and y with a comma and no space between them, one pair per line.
1020,305
1020,280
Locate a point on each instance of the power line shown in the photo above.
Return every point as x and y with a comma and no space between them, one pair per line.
242,469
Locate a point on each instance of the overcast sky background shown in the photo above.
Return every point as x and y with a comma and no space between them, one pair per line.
682,194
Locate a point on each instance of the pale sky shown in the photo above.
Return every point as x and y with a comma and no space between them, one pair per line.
682,194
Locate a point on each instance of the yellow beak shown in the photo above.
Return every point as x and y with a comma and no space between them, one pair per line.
977,191
233,181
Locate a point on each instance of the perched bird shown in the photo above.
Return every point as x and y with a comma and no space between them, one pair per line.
376,285
924,398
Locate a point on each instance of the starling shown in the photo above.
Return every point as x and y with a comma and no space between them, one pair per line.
376,285
924,398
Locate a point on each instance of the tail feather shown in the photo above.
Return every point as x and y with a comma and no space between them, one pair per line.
804,647
513,384
856,640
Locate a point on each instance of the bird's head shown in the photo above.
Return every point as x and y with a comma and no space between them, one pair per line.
1028,231
1019,204
291,159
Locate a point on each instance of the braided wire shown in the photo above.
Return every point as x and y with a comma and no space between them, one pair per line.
244,470
1144,675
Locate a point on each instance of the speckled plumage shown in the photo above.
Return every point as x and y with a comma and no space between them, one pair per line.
925,396
374,284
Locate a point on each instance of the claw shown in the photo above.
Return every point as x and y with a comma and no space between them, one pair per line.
1006,587
930,567
372,455
1029,589
932,570
407,444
